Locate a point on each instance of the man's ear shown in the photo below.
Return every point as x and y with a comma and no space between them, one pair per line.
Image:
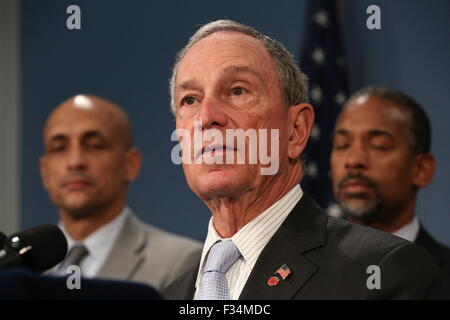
301,121
133,164
424,167
43,170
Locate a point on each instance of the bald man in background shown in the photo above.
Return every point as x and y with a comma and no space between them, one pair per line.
88,163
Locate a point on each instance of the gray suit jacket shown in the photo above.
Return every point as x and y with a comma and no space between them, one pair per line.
143,253
328,259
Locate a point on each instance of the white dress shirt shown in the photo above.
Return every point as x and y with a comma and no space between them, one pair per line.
98,244
409,231
250,240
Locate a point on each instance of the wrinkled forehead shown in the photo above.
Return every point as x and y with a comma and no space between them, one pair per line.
222,49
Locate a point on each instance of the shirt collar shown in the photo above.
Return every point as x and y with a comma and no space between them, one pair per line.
409,231
100,242
271,219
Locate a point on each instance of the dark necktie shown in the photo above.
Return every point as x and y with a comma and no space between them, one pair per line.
74,257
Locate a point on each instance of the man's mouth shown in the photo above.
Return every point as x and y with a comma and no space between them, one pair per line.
355,186
214,151
76,184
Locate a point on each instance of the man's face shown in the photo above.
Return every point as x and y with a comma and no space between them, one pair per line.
372,163
85,164
228,81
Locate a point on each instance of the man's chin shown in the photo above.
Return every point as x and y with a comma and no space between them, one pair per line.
79,209
218,184
361,209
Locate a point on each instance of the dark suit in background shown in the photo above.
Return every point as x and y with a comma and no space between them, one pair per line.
439,252
390,179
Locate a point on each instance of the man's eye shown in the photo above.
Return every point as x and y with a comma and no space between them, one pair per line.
95,146
237,91
340,146
381,147
340,143
188,100
57,148
381,143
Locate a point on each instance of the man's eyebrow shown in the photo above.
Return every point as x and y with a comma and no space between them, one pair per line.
242,69
339,132
230,70
92,134
378,132
57,137
371,133
85,135
188,85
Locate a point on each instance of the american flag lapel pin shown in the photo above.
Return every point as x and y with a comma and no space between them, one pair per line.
283,272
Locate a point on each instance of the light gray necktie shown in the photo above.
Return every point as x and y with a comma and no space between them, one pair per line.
213,284
74,257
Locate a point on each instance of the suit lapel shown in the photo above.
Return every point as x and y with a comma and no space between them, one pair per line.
190,289
126,253
303,230
187,288
183,288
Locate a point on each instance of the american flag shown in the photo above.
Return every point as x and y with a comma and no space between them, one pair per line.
322,59
284,271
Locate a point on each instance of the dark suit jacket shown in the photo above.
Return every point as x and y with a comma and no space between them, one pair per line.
439,252
328,259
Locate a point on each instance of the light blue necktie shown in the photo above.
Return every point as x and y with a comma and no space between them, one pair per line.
213,284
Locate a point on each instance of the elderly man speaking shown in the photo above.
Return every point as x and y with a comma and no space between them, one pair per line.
267,239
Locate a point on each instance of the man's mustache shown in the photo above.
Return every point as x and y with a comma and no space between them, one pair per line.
361,178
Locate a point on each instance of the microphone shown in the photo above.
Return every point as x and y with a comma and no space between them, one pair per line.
2,239
38,249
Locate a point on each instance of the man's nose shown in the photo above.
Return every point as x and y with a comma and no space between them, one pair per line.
212,113
357,157
76,159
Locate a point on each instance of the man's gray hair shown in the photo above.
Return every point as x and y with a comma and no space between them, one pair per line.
293,82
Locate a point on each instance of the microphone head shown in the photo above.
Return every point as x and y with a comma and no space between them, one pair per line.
40,248
2,240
